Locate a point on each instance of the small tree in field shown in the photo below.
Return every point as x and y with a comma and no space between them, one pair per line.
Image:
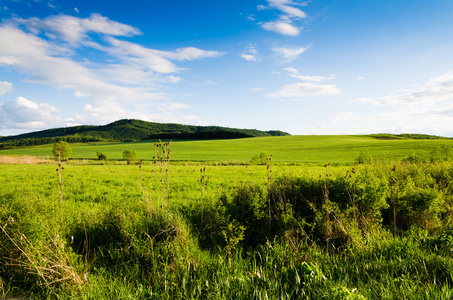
260,159
130,156
61,150
101,156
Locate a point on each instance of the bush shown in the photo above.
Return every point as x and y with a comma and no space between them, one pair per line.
130,156
61,150
413,158
101,156
441,154
364,158
260,159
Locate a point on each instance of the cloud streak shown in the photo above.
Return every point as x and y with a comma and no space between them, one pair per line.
289,12
48,51
288,54
303,90
435,90
251,54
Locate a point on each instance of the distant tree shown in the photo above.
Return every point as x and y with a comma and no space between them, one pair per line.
101,156
260,159
364,158
62,150
130,156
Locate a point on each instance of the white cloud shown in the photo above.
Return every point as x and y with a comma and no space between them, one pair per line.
248,57
282,27
294,73
291,70
155,60
26,114
250,54
74,30
251,17
5,87
435,90
287,7
313,78
135,74
289,13
189,53
303,90
289,54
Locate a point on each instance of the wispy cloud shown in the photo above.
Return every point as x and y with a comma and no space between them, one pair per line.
288,7
288,54
435,90
304,90
5,87
289,12
48,51
313,78
74,30
250,54
282,27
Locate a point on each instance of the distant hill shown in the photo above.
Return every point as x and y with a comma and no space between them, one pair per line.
404,136
130,130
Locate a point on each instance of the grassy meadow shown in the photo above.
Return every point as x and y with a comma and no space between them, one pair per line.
340,150
310,223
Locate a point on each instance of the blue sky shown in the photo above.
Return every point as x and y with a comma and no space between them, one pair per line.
305,67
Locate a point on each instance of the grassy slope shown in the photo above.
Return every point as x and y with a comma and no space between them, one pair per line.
297,149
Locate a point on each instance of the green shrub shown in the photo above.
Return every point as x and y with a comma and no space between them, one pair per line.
260,159
130,156
101,156
419,208
364,157
413,158
249,207
62,150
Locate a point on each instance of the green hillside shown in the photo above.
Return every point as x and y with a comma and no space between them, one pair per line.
129,130
309,149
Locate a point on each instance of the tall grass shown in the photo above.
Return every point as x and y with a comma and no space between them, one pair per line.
379,231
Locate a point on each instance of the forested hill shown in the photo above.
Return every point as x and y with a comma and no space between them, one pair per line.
130,130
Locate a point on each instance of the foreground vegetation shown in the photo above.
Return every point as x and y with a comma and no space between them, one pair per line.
161,230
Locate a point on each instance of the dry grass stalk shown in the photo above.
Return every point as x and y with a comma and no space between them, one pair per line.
23,160
50,262
162,157
60,175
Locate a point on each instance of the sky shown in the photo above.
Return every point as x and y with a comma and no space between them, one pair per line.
322,67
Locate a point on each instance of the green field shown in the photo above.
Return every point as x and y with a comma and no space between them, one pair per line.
204,226
341,150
